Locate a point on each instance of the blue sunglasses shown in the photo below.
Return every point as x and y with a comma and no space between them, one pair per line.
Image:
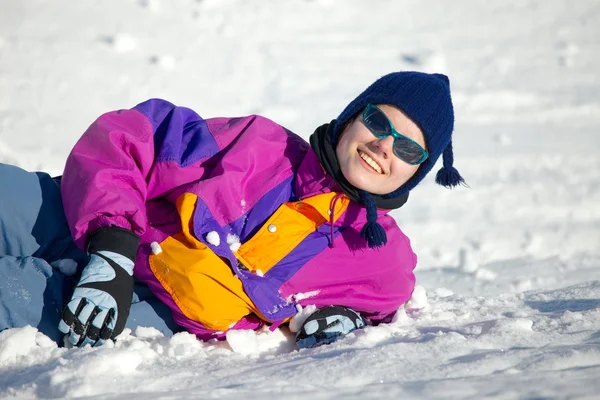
405,148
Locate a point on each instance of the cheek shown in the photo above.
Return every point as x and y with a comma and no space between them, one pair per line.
403,172
341,150
352,135
345,146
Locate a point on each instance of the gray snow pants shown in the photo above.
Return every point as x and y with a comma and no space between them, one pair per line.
35,243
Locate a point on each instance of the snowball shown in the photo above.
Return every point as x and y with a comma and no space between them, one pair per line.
259,272
67,266
303,313
243,203
234,242
156,249
231,238
213,238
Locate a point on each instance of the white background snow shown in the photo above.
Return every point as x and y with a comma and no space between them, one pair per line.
509,270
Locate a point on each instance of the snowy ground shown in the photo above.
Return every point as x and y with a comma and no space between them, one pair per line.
509,303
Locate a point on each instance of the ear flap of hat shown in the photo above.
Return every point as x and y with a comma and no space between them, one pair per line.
448,176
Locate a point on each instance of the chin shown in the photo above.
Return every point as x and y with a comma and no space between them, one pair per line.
371,185
360,184
375,191
361,181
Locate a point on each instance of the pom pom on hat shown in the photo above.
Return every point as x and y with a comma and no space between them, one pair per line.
372,231
448,176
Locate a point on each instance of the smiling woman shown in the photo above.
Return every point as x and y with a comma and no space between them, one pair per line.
155,193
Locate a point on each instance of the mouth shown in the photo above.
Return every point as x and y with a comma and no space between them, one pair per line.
369,163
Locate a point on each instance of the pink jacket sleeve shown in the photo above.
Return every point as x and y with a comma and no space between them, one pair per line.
104,182
128,157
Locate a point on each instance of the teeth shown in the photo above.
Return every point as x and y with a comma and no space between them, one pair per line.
370,161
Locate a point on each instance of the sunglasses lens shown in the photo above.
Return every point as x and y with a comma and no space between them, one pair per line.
377,122
408,151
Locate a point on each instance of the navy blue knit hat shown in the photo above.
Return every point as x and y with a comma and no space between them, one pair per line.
425,99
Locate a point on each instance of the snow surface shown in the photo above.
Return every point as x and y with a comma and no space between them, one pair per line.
509,270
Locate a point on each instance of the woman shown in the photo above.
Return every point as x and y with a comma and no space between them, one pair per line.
235,222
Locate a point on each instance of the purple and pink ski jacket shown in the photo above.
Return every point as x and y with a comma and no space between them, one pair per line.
238,221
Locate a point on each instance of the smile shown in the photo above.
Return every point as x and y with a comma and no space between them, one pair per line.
372,163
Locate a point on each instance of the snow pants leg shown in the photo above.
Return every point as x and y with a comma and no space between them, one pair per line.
33,236
36,247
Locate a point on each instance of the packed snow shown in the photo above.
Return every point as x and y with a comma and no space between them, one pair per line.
508,302
213,238
155,247
234,242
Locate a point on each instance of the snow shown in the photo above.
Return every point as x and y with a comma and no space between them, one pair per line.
234,242
255,344
508,302
213,238
514,345
67,267
298,320
302,296
155,247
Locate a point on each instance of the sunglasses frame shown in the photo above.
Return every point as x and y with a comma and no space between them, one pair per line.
397,135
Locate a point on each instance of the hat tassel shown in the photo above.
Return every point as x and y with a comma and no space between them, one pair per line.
372,231
448,176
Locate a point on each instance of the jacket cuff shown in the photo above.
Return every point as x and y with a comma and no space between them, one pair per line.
118,240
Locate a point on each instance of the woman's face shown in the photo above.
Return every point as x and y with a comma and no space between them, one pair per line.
368,162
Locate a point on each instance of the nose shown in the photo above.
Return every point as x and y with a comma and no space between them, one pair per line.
386,146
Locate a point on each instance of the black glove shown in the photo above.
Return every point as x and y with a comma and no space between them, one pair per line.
328,324
101,301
